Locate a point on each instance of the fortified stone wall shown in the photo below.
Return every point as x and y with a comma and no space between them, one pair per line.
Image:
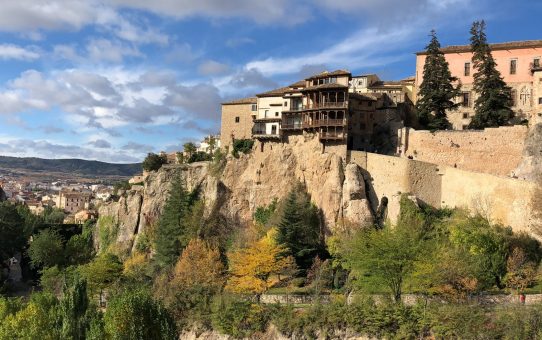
496,151
501,199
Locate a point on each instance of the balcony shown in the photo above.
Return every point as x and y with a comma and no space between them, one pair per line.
328,105
332,135
261,133
291,125
267,119
296,108
324,122
534,67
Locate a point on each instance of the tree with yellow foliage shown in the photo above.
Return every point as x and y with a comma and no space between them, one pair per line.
199,265
251,268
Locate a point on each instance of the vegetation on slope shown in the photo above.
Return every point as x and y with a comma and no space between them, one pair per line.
72,166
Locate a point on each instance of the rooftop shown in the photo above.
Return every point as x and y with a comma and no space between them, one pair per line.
511,45
273,93
329,74
248,100
325,86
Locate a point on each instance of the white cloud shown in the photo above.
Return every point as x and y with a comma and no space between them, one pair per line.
112,51
10,51
211,67
364,48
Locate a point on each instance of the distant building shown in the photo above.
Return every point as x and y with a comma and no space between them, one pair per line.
520,65
72,201
209,144
237,116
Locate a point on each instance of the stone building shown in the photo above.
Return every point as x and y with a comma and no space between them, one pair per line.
340,110
519,63
72,201
237,117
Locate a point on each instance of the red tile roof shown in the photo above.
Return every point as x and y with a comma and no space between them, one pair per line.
511,45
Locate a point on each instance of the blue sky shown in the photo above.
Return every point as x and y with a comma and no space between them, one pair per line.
114,79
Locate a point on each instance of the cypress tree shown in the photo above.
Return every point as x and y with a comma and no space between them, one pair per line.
493,105
171,225
299,230
436,90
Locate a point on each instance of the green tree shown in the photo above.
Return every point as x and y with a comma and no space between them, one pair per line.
189,148
153,162
12,234
384,257
73,310
135,315
46,249
437,92
53,216
171,224
493,105
299,229
105,270
38,319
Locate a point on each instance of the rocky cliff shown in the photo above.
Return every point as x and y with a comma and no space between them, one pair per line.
530,167
252,180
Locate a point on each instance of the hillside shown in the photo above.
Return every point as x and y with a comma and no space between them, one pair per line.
70,166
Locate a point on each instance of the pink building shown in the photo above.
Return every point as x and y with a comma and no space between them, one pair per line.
520,64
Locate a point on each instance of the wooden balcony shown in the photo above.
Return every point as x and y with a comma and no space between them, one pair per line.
295,109
291,126
327,105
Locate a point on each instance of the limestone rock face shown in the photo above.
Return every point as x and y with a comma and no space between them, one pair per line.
531,166
268,172
355,205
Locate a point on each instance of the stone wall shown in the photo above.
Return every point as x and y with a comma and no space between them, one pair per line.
496,151
501,199
229,126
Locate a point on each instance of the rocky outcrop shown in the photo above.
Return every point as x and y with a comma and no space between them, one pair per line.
355,205
530,167
269,172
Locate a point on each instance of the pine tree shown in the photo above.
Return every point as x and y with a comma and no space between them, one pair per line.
170,226
299,230
436,91
492,106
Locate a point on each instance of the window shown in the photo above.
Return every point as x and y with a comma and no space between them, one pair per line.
285,104
464,127
266,112
237,119
514,96
536,62
276,114
466,99
467,69
465,115
539,100
254,107
513,66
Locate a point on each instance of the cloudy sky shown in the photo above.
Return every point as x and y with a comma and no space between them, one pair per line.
114,79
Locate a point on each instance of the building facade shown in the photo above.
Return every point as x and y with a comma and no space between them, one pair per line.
520,66
72,201
237,120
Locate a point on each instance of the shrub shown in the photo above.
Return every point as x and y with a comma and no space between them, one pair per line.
242,145
153,162
239,318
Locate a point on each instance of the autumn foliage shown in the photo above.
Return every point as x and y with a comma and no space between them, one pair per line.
252,268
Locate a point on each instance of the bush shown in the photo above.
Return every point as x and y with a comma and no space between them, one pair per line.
135,315
199,156
242,145
153,162
239,318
